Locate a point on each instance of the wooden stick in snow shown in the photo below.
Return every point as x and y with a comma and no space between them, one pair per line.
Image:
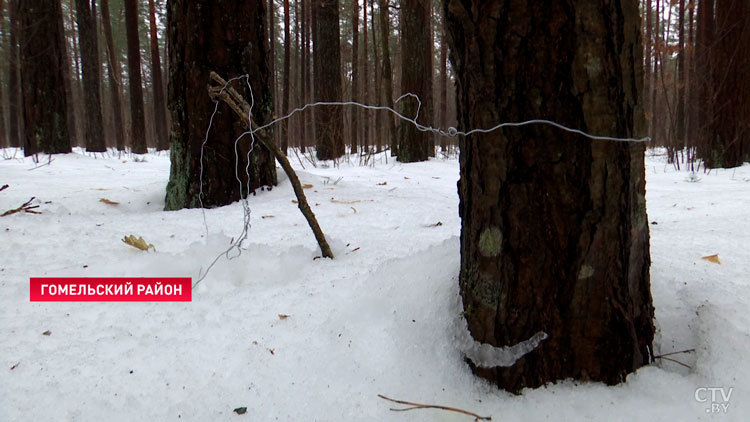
235,101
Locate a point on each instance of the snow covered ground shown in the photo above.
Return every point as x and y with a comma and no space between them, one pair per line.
379,319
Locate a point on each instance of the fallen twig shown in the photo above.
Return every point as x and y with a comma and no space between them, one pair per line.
26,207
2,188
664,356
432,406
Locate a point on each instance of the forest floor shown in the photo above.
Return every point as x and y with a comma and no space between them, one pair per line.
295,338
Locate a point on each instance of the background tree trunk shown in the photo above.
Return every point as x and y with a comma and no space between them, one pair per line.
355,111
416,72
87,39
554,235
197,46
137,119
42,56
389,134
160,108
329,125
114,76
14,132
286,82
3,131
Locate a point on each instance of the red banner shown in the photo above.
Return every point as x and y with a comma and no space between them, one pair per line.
111,289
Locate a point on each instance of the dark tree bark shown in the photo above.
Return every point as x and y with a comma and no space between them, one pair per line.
329,124
286,82
137,119
554,235
366,84
306,95
354,128
387,76
680,120
87,39
703,78
272,61
376,118
648,42
443,119
3,131
198,44
113,65
14,135
42,54
416,72
160,108
730,70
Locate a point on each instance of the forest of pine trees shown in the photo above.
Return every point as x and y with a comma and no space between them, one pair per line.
539,206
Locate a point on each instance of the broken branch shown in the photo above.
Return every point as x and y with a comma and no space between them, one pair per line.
26,207
237,103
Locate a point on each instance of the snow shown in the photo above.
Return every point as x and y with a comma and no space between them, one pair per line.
383,317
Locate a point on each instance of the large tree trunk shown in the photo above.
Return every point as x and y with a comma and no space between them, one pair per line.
306,96
365,84
137,119
329,124
443,115
416,71
87,39
554,235
42,56
680,121
114,76
3,132
14,136
376,117
197,46
387,77
160,108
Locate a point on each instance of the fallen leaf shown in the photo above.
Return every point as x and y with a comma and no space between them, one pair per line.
240,410
101,188
47,333
382,183
283,316
138,243
294,201
307,186
108,202
712,258
336,201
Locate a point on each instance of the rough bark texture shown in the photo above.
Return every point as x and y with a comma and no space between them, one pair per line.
3,132
160,108
376,118
443,118
14,136
366,84
42,56
329,124
137,119
230,38
554,235
87,39
389,133
416,69
114,76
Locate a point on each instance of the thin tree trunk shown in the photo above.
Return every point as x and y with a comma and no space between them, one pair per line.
114,76
680,121
354,122
87,39
3,132
366,84
443,119
137,120
648,87
377,117
387,75
329,123
416,71
14,135
305,138
272,59
285,100
160,108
